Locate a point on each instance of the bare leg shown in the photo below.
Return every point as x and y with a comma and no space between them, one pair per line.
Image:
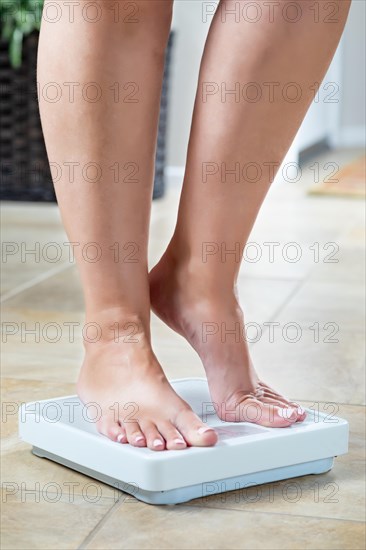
186,291
108,203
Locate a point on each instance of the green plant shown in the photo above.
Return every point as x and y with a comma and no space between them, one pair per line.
18,19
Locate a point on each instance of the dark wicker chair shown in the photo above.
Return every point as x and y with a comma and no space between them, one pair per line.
24,168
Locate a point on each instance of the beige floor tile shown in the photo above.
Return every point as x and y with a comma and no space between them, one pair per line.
31,227
42,344
15,277
354,235
327,302
48,520
310,370
350,267
22,469
61,292
42,361
176,356
261,299
15,392
178,527
18,214
279,269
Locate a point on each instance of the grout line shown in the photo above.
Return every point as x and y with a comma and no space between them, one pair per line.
281,307
300,283
291,295
100,524
33,282
240,510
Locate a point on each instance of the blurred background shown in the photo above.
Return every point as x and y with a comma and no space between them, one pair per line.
336,120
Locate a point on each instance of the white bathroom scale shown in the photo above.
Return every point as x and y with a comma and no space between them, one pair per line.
246,454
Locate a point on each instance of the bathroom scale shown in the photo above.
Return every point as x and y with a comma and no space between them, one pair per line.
246,454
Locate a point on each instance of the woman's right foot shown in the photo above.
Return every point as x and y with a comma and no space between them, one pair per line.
136,403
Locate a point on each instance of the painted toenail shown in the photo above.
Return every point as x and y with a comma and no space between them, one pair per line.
179,441
286,413
157,442
139,438
204,429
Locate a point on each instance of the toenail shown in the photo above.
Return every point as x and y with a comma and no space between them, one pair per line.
157,442
179,441
286,413
139,438
204,429
300,410
120,437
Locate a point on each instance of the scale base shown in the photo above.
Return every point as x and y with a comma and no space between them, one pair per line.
245,455
200,490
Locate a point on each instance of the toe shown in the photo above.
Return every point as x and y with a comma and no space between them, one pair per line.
134,434
111,429
154,440
272,394
122,436
276,399
194,431
287,414
301,413
265,414
174,439
282,404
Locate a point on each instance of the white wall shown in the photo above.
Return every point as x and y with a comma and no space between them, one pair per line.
347,120
190,37
352,131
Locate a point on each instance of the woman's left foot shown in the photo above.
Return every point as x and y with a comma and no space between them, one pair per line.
213,324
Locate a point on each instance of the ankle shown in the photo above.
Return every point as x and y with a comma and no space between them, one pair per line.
187,275
115,325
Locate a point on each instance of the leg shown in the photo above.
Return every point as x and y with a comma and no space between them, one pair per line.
186,291
108,206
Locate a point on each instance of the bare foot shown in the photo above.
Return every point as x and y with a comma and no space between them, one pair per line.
213,324
136,402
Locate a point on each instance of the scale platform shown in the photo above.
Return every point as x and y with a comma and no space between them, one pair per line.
246,454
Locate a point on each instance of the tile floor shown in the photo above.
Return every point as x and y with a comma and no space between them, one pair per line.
48,506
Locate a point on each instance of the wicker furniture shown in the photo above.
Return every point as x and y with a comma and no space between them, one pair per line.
24,168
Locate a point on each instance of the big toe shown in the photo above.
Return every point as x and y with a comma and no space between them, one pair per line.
266,414
195,432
